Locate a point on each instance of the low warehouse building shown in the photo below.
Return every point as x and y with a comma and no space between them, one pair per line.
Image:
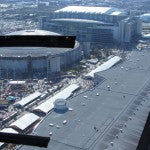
27,100
25,123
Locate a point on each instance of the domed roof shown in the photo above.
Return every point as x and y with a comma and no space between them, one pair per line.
32,51
33,32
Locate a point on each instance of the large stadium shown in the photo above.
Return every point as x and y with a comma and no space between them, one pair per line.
36,62
95,25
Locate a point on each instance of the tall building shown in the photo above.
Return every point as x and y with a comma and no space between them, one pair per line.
145,23
129,28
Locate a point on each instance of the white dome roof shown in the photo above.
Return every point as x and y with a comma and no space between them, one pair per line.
33,32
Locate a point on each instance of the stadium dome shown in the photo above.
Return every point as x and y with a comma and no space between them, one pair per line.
33,32
36,62
146,17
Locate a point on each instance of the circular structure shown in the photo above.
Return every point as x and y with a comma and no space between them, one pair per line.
60,106
33,32
36,62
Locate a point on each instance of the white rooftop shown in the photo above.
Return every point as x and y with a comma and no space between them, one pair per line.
64,94
104,66
77,20
117,13
33,32
87,9
17,82
28,99
25,121
7,130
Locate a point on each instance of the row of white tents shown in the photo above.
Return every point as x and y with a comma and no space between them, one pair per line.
26,121
27,100
20,125
49,104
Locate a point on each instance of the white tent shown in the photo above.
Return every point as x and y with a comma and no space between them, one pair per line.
17,82
7,130
25,121
104,66
64,94
28,99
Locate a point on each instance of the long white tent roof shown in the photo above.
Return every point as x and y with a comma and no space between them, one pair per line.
88,9
25,121
104,66
28,99
7,130
64,94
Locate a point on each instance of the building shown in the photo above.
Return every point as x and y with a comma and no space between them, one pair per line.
145,23
92,24
48,105
7,130
27,100
17,86
106,65
101,119
44,8
106,14
25,123
129,29
36,62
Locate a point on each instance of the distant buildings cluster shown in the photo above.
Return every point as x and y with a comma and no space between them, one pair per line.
102,25
92,24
